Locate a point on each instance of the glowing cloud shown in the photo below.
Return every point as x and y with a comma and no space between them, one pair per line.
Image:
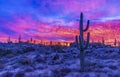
58,19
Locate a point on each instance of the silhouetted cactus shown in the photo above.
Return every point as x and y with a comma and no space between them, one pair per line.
51,43
19,39
34,41
27,41
103,41
115,42
31,40
81,43
9,40
58,43
119,43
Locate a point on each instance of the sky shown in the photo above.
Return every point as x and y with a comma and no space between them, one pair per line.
59,19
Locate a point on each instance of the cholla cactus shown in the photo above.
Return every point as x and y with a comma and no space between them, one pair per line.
81,43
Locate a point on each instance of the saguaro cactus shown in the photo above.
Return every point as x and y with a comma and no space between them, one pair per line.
115,42
9,40
19,39
34,41
81,43
119,43
31,40
103,41
51,43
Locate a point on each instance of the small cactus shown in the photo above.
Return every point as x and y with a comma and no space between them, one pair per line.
119,43
31,40
103,41
115,42
51,43
9,40
81,44
34,41
19,39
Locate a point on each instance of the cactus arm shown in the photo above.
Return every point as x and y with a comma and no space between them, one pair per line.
77,42
87,42
87,26
84,42
81,22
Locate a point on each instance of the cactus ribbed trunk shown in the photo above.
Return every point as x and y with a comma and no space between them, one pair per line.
81,48
82,56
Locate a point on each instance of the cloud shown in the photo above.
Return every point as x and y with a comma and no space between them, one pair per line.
57,19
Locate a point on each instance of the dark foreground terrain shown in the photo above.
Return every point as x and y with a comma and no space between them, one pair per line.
29,60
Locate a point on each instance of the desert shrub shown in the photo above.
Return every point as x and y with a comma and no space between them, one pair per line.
113,75
86,75
25,60
113,67
2,65
20,74
73,44
40,58
55,57
4,52
28,49
7,74
109,51
42,50
61,72
29,69
57,48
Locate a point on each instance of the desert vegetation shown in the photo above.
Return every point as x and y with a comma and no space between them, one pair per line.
77,59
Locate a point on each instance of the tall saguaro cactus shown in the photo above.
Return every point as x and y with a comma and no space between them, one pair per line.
81,43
